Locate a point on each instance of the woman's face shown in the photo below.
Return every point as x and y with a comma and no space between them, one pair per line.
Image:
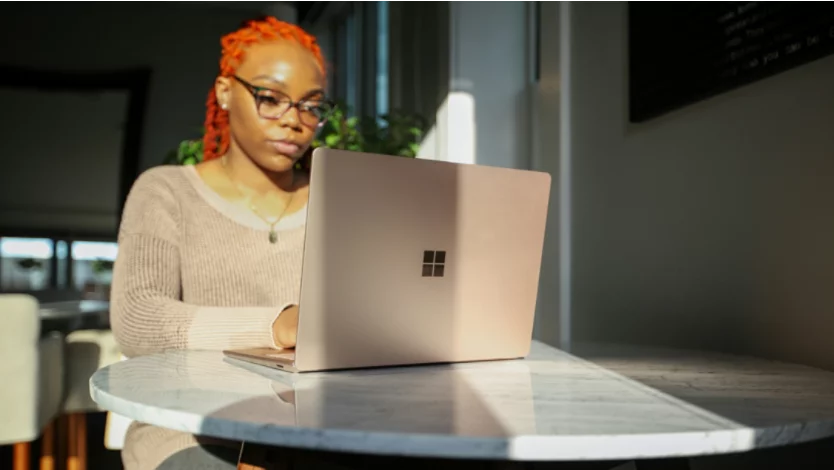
262,123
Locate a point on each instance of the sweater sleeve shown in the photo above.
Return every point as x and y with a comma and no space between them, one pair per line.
146,312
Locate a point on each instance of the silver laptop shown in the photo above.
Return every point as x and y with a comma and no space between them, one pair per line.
411,261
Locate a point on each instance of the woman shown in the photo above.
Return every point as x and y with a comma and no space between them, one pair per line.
210,255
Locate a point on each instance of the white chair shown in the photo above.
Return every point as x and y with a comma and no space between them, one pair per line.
115,429
32,374
86,351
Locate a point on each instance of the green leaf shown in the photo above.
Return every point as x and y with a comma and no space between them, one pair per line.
182,150
195,147
332,140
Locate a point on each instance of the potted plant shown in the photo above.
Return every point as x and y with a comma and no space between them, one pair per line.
188,152
397,134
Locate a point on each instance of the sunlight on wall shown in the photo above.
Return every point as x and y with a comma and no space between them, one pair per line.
453,137
461,128
429,146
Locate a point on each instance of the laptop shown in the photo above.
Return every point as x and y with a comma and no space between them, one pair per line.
413,261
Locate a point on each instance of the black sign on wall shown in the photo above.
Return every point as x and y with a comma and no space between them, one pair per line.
684,52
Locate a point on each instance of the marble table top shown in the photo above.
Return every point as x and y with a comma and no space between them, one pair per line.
598,403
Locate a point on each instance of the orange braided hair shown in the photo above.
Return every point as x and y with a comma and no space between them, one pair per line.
216,138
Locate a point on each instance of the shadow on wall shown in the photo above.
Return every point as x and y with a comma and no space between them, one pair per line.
419,57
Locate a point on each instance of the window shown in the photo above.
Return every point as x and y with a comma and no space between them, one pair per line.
25,263
361,61
382,59
92,263
36,264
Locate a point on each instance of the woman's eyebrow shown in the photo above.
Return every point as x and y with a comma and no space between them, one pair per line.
273,80
283,85
311,93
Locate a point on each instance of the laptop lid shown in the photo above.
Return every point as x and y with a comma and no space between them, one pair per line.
411,261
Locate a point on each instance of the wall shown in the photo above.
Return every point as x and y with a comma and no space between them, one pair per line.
180,41
711,227
484,117
489,63
51,151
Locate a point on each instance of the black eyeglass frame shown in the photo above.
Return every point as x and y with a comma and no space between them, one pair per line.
255,89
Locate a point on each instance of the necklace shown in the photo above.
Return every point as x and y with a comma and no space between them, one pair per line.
273,235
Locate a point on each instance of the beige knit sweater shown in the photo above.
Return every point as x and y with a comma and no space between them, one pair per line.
195,271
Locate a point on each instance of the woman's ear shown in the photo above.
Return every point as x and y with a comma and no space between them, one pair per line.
223,92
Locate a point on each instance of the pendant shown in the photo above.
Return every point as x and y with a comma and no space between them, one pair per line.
273,236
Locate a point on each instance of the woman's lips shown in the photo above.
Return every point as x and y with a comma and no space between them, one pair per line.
285,147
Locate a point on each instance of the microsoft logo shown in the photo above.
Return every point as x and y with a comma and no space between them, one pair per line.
434,263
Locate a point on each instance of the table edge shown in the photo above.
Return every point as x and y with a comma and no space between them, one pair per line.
511,448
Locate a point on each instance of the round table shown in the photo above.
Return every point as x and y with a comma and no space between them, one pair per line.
67,316
597,403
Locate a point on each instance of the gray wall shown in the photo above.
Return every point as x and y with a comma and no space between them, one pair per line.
489,61
178,41
181,45
63,149
464,66
711,227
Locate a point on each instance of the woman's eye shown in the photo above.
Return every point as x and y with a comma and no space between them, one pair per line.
269,99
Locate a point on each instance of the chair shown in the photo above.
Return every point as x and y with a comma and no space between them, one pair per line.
86,351
116,428
32,373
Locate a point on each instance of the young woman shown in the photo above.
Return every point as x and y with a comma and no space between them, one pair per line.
210,255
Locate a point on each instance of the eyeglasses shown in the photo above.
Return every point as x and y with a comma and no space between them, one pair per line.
272,104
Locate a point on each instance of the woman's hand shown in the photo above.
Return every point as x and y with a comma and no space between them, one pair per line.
285,329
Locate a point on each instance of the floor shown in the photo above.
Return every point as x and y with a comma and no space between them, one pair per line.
98,458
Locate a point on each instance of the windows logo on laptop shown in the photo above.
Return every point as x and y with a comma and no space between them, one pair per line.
434,263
